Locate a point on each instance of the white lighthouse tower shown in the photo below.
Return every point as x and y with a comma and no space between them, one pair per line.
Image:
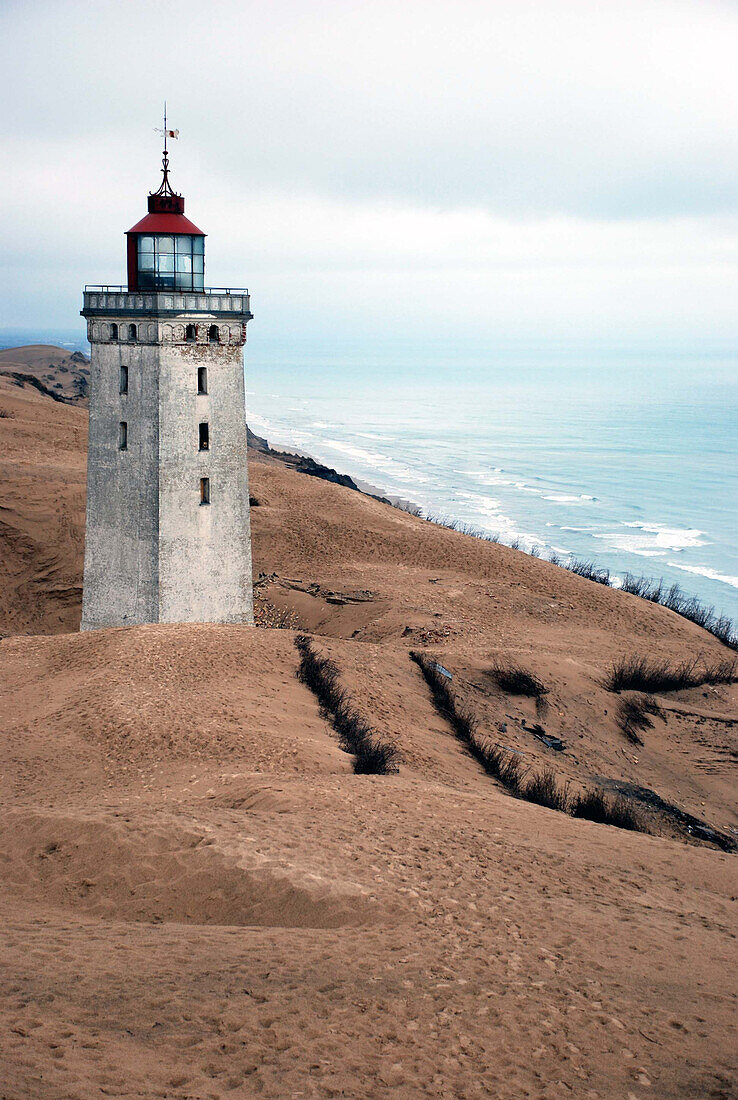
167,535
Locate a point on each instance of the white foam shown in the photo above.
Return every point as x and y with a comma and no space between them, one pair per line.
655,539
570,498
490,477
377,461
260,421
705,571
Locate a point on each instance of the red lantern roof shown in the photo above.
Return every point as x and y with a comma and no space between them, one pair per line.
166,223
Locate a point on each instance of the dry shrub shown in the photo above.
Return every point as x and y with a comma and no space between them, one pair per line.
506,766
634,716
652,676
356,736
515,680
595,805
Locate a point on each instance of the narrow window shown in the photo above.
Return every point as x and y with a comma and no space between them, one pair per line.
131,332
202,379
213,334
191,334
124,379
113,332
204,490
204,437
123,436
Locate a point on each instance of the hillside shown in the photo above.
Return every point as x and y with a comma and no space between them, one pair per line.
62,374
201,899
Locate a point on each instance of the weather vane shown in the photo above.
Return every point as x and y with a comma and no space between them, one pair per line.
165,185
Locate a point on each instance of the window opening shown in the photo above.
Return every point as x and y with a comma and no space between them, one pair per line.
204,437
171,262
124,379
213,334
191,334
202,379
131,332
204,490
123,436
114,332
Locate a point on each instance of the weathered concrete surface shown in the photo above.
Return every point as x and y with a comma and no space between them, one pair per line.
153,552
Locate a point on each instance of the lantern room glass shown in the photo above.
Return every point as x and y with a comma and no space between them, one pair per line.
171,262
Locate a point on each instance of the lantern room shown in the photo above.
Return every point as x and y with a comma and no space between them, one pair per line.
165,250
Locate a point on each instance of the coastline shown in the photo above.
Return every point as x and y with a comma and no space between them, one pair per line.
647,587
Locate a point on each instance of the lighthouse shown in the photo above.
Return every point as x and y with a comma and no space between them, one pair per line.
167,530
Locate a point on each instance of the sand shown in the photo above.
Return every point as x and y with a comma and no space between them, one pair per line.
199,899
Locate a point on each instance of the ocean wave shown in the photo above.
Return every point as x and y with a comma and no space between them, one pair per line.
489,477
654,540
481,505
259,421
485,512
705,571
377,461
570,498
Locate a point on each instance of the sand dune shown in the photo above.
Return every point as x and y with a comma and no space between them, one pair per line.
200,899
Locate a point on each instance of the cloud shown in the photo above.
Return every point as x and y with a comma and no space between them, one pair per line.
531,165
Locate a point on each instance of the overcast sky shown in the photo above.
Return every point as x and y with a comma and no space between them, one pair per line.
453,170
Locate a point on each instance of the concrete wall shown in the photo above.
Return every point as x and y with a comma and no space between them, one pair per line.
121,538
153,553
204,549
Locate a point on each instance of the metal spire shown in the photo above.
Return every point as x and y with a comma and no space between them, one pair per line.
165,188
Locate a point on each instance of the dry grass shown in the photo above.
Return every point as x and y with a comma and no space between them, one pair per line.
372,755
595,805
653,676
634,715
505,766
513,679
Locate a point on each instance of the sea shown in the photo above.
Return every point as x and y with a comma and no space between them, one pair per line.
623,455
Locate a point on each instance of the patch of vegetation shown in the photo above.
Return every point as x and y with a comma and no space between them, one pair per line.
589,570
506,766
653,676
634,716
513,679
356,736
5,414
545,790
595,805
689,607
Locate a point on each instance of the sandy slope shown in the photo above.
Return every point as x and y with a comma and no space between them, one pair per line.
42,511
63,373
199,898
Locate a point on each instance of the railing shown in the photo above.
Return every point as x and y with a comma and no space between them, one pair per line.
119,300
92,289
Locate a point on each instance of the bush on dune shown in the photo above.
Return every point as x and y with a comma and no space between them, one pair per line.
653,676
595,805
515,680
634,715
507,768
356,736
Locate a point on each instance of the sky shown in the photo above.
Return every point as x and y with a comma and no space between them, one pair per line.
379,172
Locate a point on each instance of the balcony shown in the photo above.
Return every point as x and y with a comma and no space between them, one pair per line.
113,301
